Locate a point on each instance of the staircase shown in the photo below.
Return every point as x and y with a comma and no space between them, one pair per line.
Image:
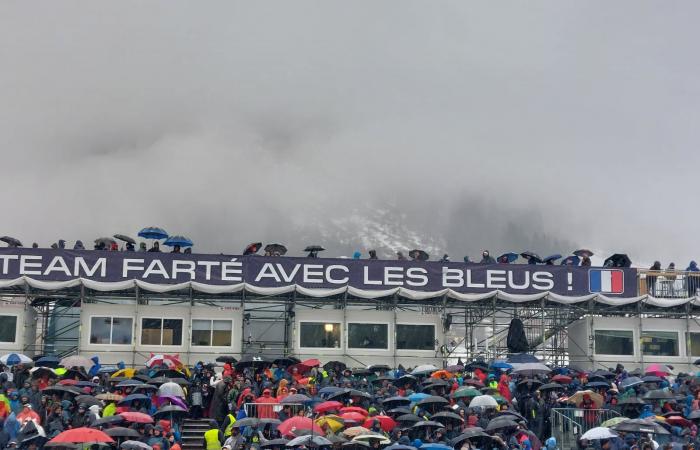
193,433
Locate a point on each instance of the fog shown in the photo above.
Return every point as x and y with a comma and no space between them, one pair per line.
538,126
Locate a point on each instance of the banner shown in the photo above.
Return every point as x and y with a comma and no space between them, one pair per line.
329,273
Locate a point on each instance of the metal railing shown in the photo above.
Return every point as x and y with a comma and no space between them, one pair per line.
668,283
270,410
568,424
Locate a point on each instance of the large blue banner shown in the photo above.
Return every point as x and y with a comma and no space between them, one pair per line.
168,268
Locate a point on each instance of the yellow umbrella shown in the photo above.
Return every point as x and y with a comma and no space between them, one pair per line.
128,373
109,397
333,422
60,371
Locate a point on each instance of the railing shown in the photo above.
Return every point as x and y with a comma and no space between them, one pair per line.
270,410
568,424
668,283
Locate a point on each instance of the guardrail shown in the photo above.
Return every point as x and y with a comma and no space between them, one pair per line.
568,424
271,410
668,283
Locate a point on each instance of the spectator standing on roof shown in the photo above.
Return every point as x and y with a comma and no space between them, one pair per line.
142,247
78,245
373,254
692,280
586,261
486,258
155,248
176,249
651,278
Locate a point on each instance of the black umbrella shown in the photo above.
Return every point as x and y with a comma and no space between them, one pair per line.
122,432
246,422
446,417
380,380
286,361
257,362
274,443
43,371
379,367
640,426
601,373
125,238
551,387
418,255
469,433
361,372
393,402
276,249
226,359
109,420
252,249
583,253
631,401
10,241
106,241
427,424
400,411
597,385
88,400
433,401
335,365
314,248
658,394
60,390
531,256
168,373
618,260
406,379
510,412
170,410
500,423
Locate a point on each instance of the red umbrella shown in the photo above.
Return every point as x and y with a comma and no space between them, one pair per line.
473,382
313,362
353,416
355,409
564,379
386,422
678,421
82,435
136,417
295,423
300,367
327,406
67,382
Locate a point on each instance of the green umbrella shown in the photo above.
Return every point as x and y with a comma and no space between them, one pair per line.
614,421
465,392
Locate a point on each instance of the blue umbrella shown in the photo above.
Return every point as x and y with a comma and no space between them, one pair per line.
48,361
552,258
12,359
153,233
501,365
630,381
418,396
522,358
511,257
134,397
182,241
435,447
571,261
127,383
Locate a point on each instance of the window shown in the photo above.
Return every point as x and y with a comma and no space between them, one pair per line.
660,343
415,337
211,333
319,335
161,331
111,330
368,335
8,328
693,340
614,342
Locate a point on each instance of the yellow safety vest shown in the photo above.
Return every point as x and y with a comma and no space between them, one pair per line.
212,439
229,427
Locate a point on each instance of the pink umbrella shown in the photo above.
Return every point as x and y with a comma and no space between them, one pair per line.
658,370
169,398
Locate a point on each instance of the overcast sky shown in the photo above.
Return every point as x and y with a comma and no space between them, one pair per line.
565,123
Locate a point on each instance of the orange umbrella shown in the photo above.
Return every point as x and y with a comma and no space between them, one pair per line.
442,374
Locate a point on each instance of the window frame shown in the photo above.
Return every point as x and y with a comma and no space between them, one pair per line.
211,333
17,327
688,346
162,322
333,321
595,350
396,341
641,343
388,336
111,329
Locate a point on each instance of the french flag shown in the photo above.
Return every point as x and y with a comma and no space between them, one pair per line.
606,281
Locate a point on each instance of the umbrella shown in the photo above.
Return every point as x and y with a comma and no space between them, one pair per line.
571,261
501,365
435,446
135,445
419,255
500,423
226,359
406,379
640,426
252,249
408,418
313,250
309,441
530,369
109,420
614,421
48,361
30,431
169,411
418,396
60,390
446,417
171,388
274,443
324,407
597,385
291,425
133,398
598,433
659,370
252,361
355,431
372,437
510,257
441,374
552,258
469,433
379,367
393,402
465,391
332,421
88,400
12,359
694,415
178,240
427,424
136,417
173,400
630,381
122,432
295,398
484,401
125,238
679,421
596,398
583,253
38,372
551,387
276,249
109,397
531,256
335,364
631,401
77,361
433,401
353,416
105,241
329,390
399,447
10,241
82,435
385,422
651,379
424,369
564,379
658,394
473,382
618,260
402,410
127,373
153,233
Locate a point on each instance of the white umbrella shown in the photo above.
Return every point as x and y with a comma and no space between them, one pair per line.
598,433
77,361
372,436
172,389
425,368
11,359
309,440
485,401
530,369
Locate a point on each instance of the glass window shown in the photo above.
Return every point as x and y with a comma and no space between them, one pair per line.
368,335
660,343
110,330
415,337
693,344
614,342
208,333
8,328
161,331
319,335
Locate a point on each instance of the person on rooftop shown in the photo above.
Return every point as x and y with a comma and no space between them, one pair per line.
155,248
486,258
